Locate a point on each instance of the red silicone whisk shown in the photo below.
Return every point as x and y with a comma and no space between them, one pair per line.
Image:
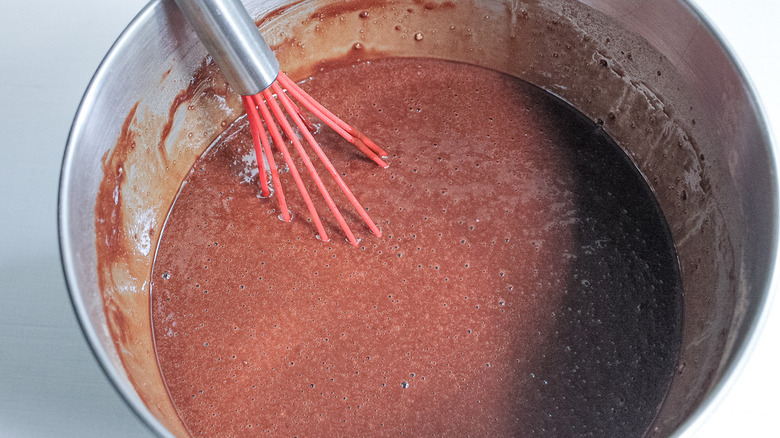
251,68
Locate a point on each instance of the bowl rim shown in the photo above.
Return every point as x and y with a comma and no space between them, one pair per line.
695,420
127,394
719,392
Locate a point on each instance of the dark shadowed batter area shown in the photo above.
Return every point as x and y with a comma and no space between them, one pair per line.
526,283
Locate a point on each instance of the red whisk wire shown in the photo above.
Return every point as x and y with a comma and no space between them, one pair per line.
271,114
279,142
277,111
352,135
290,107
256,125
254,122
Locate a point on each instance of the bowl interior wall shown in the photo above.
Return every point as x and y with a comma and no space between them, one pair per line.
665,90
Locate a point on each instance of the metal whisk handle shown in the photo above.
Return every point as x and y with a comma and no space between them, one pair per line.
232,39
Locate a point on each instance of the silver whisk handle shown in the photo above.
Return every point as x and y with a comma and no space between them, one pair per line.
232,39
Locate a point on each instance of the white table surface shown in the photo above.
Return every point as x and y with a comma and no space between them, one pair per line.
50,384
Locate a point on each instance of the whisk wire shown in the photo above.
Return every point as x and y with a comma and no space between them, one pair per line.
249,65
271,114
290,107
255,125
352,135
290,133
280,144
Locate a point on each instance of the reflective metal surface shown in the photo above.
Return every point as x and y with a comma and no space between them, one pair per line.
726,168
232,39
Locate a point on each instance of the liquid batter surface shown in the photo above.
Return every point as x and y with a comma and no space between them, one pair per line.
525,284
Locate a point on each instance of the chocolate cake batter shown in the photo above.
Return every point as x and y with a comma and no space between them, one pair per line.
525,284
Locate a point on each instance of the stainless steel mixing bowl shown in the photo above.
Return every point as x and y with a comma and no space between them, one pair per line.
654,74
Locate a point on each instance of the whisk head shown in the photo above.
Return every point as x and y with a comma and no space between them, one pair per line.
265,113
